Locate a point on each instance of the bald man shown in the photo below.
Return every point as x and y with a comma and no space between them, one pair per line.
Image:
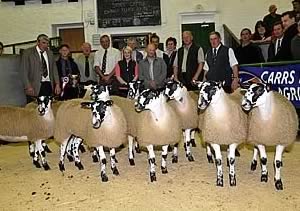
152,69
189,62
85,63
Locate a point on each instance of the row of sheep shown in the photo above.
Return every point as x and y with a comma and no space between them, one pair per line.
112,121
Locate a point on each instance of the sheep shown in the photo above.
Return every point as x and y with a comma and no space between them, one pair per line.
158,126
273,121
224,123
186,108
23,124
108,129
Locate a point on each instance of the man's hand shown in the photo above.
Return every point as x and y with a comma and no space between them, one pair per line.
57,89
29,91
235,84
152,84
105,78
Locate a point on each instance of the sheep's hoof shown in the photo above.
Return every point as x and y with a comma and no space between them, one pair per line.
220,181
131,162
253,165
104,177
237,153
70,158
137,149
164,170
115,171
190,157
37,164
79,165
61,166
264,178
232,180
95,159
46,166
174,159
278,184
193,143
81,148
210,159
152,176
170,148
46,149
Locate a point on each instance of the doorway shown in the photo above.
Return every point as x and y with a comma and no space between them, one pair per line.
200,33
74,37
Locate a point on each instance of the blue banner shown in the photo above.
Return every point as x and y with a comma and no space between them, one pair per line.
283,78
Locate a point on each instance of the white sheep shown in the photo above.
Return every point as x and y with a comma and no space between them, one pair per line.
224,123
158,126
186,108
273,121
103,124
24,124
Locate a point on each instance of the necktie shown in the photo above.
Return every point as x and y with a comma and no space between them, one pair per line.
87,67
214,55
44,65
103,69
278,46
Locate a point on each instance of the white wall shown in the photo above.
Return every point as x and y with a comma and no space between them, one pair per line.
23,23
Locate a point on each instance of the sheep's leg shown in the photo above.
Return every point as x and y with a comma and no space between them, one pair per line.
209,154
63,147
45,146
136,146
218,161
42,153
188,145
231,158
193,142
81,148
263,161
70,148
31,148
36,156
130,151
254,159
278,165
113,165
164,155
151,161
95,155
175,154
76,144
102,156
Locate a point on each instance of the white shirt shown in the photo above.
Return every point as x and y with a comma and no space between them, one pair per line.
232,60
112,58
278,42
47,62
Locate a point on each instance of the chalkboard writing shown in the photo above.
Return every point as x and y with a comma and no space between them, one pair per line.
121,13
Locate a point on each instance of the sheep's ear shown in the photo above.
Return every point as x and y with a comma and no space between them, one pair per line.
86,105
198,83
109,103
245,86
268,87
221,84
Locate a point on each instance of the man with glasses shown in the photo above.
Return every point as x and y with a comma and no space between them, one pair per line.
40,76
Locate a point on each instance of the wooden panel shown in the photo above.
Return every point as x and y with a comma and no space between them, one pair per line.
73,37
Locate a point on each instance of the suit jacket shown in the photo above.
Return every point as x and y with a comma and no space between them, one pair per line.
159,72
32,69
284,54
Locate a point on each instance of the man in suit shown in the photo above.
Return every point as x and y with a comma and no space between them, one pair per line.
278,49
152,69
40,76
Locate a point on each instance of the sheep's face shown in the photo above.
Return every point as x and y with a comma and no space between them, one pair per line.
100,109
255,96
74,80
147,100
208,92
135,87
174,90
100,92
44,104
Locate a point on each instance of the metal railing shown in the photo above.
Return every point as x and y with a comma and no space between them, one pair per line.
230,39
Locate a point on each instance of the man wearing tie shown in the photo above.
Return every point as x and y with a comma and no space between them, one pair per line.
105,60
40,76
85,63
221,64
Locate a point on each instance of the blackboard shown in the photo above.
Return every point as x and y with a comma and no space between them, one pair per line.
122,13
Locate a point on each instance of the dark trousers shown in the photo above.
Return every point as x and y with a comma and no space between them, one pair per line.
46,89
